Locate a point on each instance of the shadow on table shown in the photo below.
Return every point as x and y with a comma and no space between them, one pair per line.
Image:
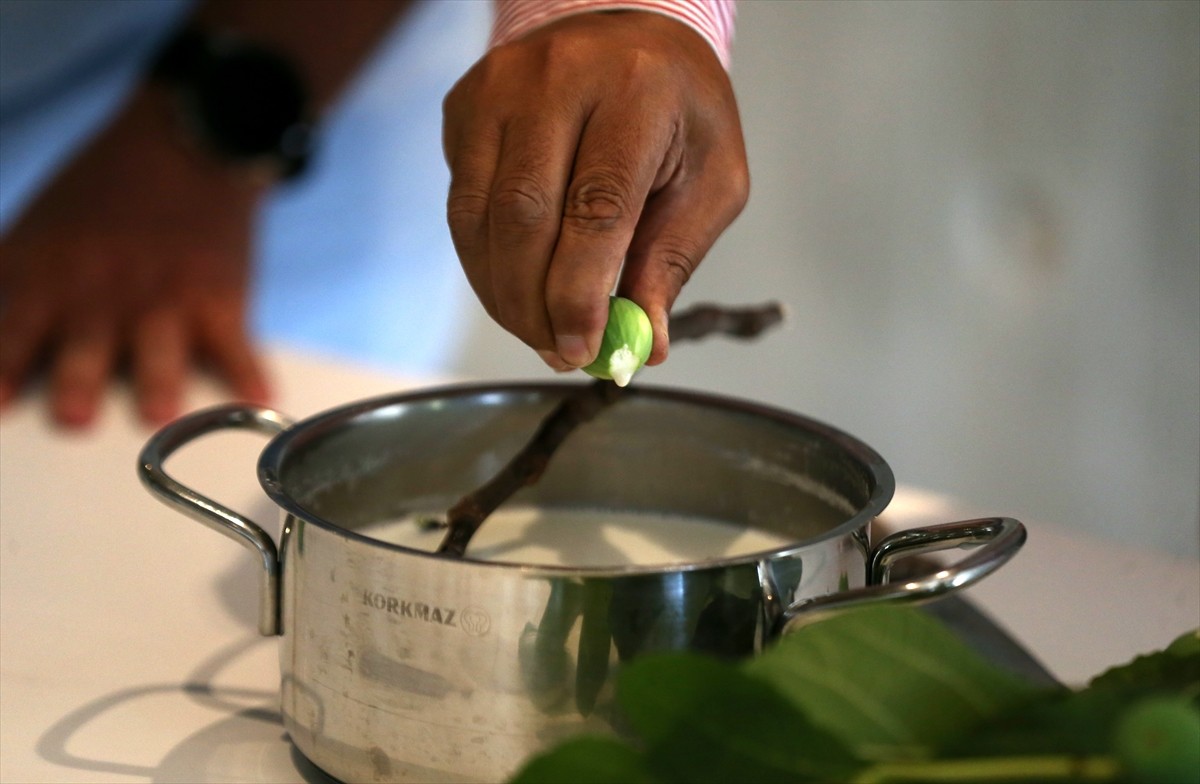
247,745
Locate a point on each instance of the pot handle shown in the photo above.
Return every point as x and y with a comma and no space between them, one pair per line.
998,539
217,517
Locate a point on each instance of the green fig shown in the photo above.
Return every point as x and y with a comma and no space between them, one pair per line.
628,338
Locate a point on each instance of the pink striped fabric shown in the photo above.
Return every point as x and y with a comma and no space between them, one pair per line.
712,19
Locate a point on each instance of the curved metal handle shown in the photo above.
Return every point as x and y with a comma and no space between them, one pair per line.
998,539
212,514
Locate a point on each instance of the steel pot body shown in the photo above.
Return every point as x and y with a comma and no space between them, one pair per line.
401,665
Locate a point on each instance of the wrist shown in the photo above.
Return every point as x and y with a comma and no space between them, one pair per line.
711,19
148,134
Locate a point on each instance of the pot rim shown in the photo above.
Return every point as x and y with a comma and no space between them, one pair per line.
275,453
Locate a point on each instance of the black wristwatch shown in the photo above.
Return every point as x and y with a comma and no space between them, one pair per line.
242,101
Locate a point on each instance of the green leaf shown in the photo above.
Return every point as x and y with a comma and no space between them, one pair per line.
1083,721
1158,740
1175,668
1186,644
889,682
703,720
1063,722
587,760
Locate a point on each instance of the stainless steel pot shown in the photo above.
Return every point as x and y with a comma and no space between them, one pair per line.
398,664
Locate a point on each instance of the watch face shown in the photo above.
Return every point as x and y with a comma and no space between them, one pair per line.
245,102
248,100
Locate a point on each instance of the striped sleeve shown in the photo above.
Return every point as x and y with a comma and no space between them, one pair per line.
712,19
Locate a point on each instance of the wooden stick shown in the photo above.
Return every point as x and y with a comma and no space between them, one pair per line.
700,321
526,467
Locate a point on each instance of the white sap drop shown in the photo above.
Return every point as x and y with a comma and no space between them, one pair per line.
622,365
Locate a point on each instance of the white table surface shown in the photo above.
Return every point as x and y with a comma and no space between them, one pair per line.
129,653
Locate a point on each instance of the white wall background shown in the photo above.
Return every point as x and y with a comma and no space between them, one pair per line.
984,218
985,221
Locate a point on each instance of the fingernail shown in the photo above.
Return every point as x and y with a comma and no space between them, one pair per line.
554,361
75,411
662,340
573,350
159,409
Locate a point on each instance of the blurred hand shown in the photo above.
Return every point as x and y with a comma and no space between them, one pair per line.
600,140
138,251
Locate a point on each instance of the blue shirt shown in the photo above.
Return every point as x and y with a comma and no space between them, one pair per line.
355,259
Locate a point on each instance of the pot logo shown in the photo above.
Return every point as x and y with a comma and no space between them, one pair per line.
474,621
471,620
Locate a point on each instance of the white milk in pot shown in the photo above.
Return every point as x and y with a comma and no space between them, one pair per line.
586,538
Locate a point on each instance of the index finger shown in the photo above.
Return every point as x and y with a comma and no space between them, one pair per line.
525,208
618,160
